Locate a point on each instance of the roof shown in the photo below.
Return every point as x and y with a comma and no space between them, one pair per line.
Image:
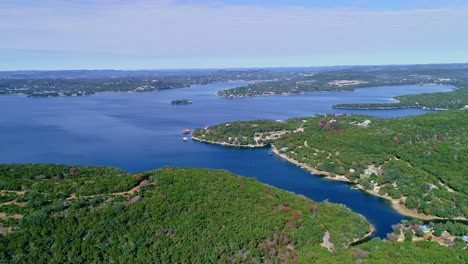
424,228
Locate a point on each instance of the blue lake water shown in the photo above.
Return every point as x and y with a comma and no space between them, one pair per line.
143,131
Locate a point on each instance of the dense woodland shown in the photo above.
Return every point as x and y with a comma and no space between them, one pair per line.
265,82
57,213
359,77
79,83
447,100
420,160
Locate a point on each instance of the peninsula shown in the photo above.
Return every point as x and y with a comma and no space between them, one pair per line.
351,78
89,82
417,163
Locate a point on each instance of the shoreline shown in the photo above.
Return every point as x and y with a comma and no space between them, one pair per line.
341,178
364,238
226,144
394,203
325,174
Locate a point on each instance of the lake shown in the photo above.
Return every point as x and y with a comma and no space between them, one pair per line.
143,131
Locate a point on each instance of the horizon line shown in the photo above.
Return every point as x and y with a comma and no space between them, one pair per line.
242,68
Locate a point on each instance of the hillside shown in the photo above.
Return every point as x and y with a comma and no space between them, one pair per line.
417,162
448,100
98,214
172,216
371,76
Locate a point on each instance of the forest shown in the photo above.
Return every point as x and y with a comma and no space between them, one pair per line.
59,213
349,79
456,99
419,161
80,83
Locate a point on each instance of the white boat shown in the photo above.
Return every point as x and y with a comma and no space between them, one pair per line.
184,138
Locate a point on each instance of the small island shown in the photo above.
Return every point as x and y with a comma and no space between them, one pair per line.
181,102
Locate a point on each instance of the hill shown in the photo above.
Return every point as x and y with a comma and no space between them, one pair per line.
98,214
86,214
351,78
419,162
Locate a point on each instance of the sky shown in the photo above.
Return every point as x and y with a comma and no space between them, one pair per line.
186,34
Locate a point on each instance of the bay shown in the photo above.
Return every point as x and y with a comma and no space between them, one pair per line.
143,131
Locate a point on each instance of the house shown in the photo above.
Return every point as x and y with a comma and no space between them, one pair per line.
424,228
365,123
445,235
284,149
369,171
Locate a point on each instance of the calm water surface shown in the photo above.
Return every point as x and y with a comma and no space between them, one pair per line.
140,132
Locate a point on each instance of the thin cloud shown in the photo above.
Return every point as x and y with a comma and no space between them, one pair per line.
170,29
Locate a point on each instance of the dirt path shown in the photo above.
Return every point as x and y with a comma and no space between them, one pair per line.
14,203
10,191
129,192
326,242
5,230
4,216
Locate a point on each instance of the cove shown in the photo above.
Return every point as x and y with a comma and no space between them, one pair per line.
141,132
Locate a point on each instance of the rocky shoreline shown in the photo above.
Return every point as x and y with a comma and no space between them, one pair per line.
227,144
341,178
394,202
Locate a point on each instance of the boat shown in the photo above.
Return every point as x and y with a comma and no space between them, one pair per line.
186,131
184,138
181,102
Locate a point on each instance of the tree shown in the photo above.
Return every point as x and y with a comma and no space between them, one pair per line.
411,202
409,235
438,231
419,233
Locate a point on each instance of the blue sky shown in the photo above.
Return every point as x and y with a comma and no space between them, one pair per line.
372,4
163,34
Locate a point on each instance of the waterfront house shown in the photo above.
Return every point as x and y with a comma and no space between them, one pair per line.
424,228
